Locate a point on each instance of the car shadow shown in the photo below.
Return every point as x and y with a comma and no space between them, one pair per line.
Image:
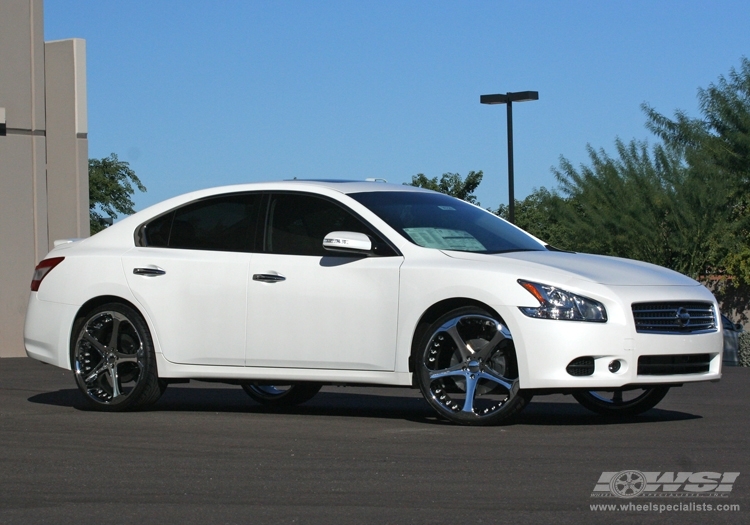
229,400
334,404
572,414
70,397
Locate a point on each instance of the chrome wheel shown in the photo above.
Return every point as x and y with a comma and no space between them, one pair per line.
281,395
113,359
623,401
467,369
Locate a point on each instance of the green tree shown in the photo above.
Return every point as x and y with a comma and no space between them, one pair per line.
451,184
538,214
647,204
717,146
720,138
111,184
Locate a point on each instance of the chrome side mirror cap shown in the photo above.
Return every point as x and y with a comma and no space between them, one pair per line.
351,242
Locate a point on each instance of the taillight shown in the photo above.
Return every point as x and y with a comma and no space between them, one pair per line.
42,269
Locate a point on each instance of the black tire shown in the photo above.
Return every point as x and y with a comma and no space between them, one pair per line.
112,354
622,402
467,370
281,395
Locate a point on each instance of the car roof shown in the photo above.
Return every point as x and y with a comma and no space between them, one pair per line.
347,186
337,185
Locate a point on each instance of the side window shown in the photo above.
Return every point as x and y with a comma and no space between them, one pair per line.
157,231
226,223
297,224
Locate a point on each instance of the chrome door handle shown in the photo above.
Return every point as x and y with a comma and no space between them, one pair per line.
268,277
148,271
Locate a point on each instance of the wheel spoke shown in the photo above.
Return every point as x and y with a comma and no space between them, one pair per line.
96,344
461,345
95,373
115,380
486,350
125,358
115,332
456,370
471,388
493,376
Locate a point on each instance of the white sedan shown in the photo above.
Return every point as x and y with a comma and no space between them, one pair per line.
287,286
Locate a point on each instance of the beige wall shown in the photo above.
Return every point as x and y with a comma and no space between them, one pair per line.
38,164
67,143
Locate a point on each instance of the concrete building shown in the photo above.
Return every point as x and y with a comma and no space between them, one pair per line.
43,154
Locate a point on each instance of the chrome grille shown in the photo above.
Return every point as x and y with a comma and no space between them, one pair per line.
674,317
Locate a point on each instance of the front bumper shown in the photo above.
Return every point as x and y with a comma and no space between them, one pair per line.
545,347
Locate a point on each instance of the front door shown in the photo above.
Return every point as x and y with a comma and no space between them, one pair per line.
309,308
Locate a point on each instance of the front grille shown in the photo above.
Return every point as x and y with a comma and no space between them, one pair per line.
674,317
581,366
667,365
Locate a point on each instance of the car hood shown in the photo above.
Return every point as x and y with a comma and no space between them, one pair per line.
601,269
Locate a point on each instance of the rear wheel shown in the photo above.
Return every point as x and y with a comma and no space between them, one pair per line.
113,359
467,369
622,402
281,395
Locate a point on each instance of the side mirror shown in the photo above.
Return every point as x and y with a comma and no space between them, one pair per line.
350,242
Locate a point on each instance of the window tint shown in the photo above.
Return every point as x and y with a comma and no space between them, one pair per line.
438,221
226,223
157,231
297,224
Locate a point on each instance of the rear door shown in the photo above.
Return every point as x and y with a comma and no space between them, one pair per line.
191,278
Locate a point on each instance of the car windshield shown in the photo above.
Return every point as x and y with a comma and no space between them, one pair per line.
438,221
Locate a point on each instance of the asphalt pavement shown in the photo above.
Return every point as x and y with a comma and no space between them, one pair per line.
207,454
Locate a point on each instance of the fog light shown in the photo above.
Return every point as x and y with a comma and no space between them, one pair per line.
614,366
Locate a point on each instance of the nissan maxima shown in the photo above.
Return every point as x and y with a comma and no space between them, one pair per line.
284,287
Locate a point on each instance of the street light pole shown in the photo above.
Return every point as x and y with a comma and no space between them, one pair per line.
508,99
511,184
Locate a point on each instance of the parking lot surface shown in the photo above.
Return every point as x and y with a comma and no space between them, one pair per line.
207,454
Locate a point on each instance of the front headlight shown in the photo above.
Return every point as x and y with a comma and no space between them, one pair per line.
563,305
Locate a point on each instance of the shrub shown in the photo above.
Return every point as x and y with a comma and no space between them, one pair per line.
743,352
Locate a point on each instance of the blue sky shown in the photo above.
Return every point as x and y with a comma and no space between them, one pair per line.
196,94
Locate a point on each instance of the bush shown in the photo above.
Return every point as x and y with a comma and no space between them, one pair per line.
743,352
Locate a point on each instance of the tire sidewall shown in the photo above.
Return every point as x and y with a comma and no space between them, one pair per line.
135,398
646,401
296,394
510,407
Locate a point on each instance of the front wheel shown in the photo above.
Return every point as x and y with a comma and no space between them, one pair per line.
281,395
113,359
622,402
467,369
